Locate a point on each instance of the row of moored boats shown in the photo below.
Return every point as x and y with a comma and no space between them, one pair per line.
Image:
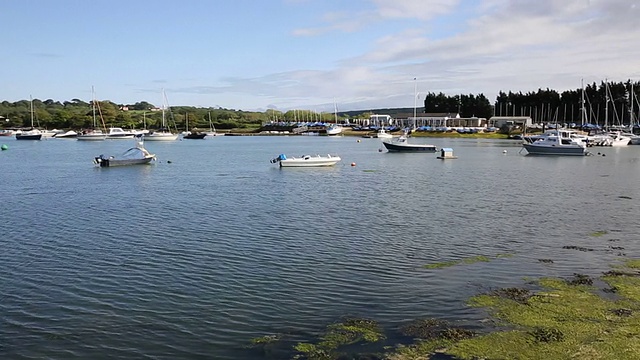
572,142
112,133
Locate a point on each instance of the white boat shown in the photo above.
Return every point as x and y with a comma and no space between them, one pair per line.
49,133
93,134
119,133
402,144
162,134
306,160
383,134
560,144
335,128
619,139
212,129
137,155
66,135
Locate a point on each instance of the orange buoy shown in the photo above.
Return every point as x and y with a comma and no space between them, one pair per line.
353,164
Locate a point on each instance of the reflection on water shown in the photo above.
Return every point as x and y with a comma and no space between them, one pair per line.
211,246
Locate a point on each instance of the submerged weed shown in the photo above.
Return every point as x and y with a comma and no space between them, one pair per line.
350,331
469,260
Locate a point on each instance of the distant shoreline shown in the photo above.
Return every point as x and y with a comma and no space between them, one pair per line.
366,134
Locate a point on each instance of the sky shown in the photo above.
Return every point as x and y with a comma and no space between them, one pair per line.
318,55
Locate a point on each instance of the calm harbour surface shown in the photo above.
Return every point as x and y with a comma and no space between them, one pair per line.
212,245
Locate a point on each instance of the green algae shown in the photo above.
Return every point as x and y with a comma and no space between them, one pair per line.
464,261
564,319
350,331
599,233
263,340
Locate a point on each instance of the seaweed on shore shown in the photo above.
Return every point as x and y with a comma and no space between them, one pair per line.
349,331
564,319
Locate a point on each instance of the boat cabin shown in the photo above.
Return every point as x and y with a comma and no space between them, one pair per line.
446,153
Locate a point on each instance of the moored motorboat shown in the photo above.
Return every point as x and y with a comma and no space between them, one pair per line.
66,135
137,155
383,134
306,160
560,144
33,134
119,133
402,144
195,135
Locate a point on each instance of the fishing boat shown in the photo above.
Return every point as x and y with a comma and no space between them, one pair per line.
306,160
560,144
137,155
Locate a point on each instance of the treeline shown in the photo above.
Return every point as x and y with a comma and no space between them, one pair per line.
607,103
78,114
604,103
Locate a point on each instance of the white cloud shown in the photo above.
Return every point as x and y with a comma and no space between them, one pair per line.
518,45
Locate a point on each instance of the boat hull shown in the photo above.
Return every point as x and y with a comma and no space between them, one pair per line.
308,161
161,137
28,137
195,136
532,149
391,147
107,162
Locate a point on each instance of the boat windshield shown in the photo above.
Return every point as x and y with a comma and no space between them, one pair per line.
134,153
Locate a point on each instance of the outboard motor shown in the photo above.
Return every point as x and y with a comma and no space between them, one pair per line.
279,158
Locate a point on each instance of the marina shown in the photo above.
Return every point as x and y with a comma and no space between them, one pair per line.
211,246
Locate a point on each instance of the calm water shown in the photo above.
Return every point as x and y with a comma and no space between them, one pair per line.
212,245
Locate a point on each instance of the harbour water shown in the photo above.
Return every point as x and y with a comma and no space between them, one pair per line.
212,245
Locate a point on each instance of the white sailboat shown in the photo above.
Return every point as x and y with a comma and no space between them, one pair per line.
33,134
93,134
617,138
162,134
335,128
212,129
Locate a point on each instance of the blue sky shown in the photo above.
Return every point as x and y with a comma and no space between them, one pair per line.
308,54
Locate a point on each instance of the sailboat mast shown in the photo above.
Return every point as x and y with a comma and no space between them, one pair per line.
582,109
164,101
606,104
415,102
631,109
31,102
93,106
